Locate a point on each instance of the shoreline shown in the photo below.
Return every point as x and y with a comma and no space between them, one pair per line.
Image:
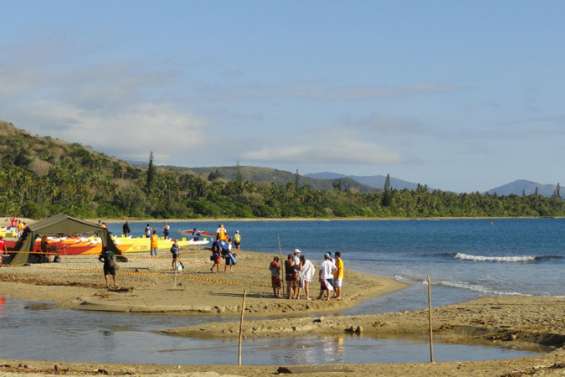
151,286
318,219
529,323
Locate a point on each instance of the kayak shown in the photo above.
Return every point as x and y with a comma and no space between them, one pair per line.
93,245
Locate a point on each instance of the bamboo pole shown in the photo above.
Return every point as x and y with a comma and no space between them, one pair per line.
240,345
431,338
283,273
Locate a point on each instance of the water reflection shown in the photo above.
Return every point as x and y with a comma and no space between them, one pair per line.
104,337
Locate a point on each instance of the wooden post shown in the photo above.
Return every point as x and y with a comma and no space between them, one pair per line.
240,345
283,273
431,338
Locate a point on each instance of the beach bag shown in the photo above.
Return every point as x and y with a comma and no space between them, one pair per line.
180,266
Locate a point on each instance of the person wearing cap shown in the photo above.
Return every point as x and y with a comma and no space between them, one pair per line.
237,240
327,270
296,256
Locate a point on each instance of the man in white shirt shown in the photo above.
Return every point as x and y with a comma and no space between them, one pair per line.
327,270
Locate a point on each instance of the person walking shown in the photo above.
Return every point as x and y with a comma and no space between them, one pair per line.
107,257
154,243
126,229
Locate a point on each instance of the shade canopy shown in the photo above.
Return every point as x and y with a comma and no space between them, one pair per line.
57,225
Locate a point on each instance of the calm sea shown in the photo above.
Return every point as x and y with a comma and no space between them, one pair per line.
465,258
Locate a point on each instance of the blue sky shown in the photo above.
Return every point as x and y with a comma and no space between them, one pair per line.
459,95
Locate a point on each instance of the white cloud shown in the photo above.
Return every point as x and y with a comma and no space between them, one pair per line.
345,150
132,131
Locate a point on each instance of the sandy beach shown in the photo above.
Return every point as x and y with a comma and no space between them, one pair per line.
79,284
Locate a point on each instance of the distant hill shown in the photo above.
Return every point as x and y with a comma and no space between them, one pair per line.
521,186
264,175
40,153
374,181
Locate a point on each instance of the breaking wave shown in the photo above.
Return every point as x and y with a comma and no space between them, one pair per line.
511,258
477,288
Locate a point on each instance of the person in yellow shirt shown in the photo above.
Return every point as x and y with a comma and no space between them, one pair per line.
154,243
339,273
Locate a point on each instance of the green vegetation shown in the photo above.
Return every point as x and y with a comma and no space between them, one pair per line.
44,176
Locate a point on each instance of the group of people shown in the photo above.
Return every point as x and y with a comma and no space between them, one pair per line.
16,225
225,247
299,272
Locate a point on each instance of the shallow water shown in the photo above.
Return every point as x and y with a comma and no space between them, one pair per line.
466,258
44,332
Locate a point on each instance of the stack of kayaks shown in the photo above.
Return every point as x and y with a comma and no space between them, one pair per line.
93,245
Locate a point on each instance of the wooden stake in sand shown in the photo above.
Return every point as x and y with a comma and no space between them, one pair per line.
240,345
431,339
283,273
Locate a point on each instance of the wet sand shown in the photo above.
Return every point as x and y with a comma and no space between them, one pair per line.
78,283
547,365
531,323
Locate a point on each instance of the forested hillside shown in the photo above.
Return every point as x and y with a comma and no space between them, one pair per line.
40,176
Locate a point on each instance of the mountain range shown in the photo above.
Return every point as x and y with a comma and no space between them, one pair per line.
522,186
374,181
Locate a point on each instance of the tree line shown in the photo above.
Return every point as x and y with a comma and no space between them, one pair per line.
87,185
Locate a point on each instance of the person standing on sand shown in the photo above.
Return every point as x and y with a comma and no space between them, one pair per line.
327,270
296,256
175,253
230,260
107,257
291,277
147,231
275,268
166,231
237,240
154,243
125,229
338,276
307,272
216,258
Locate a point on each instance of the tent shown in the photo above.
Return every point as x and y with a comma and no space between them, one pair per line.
56,225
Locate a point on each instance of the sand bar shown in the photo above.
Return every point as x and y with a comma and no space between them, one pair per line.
78,283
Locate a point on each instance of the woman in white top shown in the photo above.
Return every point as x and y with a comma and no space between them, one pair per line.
307,272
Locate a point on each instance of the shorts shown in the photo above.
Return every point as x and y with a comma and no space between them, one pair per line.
110,270
338,283
327,285
276,281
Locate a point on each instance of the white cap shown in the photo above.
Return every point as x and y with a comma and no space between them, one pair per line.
297,251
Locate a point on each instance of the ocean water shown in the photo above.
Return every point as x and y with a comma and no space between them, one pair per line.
465,258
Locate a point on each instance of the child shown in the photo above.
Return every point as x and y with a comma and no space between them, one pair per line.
175,253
